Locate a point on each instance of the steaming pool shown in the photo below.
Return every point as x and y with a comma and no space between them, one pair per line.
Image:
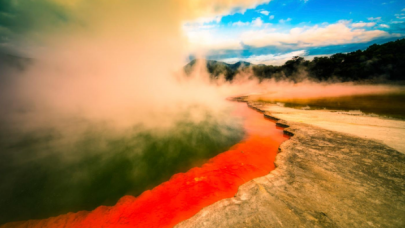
85,175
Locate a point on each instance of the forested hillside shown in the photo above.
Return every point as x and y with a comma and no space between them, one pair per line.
384,62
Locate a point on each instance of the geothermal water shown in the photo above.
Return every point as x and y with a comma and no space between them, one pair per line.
185,193
47,172
389,104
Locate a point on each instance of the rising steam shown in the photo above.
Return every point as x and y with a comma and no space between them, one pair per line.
104,91
102,108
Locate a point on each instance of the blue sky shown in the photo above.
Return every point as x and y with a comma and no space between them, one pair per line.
274,32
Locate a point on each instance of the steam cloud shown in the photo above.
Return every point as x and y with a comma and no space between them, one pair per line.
105,78
105,61
101,108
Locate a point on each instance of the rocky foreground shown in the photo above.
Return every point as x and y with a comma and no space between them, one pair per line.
323,179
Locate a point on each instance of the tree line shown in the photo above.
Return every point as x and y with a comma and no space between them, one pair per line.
385,62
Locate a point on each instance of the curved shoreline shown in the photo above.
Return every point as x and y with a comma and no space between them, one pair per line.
323,179
185,193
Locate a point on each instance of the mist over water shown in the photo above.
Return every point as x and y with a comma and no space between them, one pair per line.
48,173
101,108
73,139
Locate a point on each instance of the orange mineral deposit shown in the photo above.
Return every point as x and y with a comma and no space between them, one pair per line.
185,194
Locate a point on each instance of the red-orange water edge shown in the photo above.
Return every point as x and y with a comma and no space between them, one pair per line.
187,193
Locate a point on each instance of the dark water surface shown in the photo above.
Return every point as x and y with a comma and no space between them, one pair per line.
41,177
390,105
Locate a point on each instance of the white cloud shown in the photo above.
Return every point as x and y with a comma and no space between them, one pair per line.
345,22
400,16
240,23
271,17
206,10
265,12
299,37
270,59
332,34
403,9
305,1
258,22
202,40
220,7
204,20
286,20
374,18
363,24
197,26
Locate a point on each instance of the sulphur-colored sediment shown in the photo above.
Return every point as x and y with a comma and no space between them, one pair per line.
323,179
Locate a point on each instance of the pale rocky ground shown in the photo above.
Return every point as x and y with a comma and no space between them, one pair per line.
323,178
388,131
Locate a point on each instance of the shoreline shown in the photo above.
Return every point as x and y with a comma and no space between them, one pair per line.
323,178
185,194
391,132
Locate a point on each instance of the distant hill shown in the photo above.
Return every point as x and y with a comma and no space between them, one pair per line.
384,62
8,61
240,64
217,68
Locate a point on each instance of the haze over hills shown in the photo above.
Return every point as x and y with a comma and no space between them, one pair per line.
377,63
217,68
8,61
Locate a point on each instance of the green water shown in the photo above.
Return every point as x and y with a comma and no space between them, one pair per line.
43,174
